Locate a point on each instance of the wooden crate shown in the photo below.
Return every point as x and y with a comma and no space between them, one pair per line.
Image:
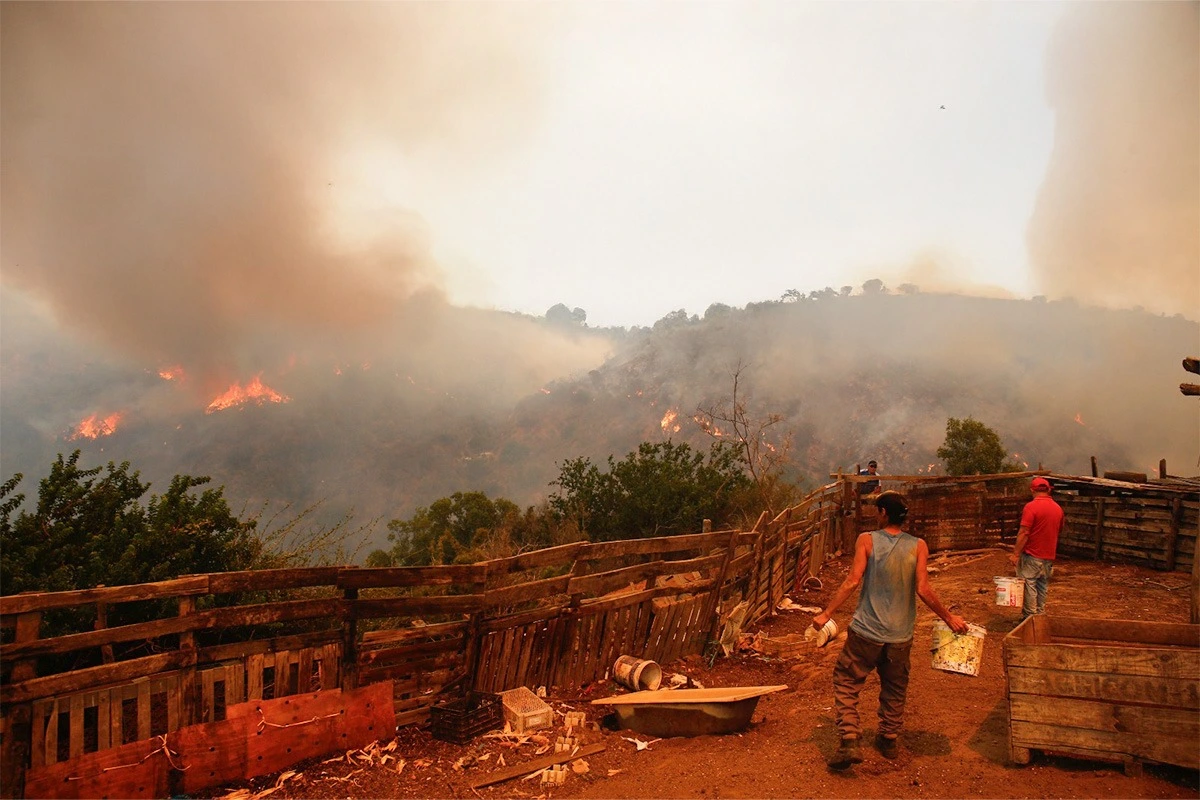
1110,690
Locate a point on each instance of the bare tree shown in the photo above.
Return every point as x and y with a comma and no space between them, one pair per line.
764,453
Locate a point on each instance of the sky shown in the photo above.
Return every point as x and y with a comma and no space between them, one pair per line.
184,181
686,154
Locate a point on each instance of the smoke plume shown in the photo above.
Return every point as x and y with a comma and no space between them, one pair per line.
168,167
1117,221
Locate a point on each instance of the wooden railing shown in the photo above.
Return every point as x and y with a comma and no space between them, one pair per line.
554,617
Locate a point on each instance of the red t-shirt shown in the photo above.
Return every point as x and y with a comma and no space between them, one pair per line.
1044,518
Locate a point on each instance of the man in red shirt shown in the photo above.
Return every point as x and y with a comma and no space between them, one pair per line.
1037,546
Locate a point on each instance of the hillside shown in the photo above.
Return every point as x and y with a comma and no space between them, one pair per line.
494,401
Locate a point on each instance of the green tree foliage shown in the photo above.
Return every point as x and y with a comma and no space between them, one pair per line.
661,489
972,448
90,528
464,528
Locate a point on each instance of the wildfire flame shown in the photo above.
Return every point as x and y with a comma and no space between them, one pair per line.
254,392
668,421
1079,418
94,427
174,373
544,390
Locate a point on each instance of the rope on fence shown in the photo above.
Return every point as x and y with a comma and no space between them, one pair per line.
168,752
262,721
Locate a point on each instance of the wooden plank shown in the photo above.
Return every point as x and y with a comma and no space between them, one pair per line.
1114,717
284,611
517,770
208,680
103,720
1173,533
50,747
550,556
259,580
404,635
602,582
527,646
254,677
594,551
235,683
38,723
401,577
242,650
283,674
1172,692
313,724
143,708
521,618
116,719
1176,634
522,592
1131,660
411,606
42,601
136,770
611,602
1105,744
304,671
75,726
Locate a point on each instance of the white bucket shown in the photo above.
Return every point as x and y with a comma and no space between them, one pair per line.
637,674
1010,592
954,652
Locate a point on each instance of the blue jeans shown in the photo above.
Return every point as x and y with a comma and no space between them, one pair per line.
1036,572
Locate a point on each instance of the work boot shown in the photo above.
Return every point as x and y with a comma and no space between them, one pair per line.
888,747
848,753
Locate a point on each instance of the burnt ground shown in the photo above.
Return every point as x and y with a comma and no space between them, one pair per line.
954,744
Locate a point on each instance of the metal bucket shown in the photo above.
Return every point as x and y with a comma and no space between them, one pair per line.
637,674
957,652
1010,592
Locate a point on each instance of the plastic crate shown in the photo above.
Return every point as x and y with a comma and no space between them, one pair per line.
461,720
525,711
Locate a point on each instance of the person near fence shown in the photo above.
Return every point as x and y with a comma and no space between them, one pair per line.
890,566
869,487
1037,546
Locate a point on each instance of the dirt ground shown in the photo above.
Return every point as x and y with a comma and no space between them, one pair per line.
954,743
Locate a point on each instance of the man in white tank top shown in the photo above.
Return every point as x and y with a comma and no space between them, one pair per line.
889,565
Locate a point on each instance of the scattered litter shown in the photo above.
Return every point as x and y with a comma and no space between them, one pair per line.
575,719
525,711
787,604
813,583
731,627
580,766
541,691
556,775
612,772
640,744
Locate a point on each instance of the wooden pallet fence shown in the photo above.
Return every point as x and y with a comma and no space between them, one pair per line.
554,617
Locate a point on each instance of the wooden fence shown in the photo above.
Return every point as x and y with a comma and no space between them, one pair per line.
554,617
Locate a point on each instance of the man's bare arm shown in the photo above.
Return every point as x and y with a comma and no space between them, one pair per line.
929,597
852,582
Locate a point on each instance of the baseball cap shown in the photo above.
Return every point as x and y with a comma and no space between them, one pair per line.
1039,484
872,463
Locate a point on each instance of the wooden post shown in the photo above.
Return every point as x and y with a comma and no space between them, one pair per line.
1095,471
1099,527
1173,532
1162,469
1195,615
189,687
714,627
349,641
18,719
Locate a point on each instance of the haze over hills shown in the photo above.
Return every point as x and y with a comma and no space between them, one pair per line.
496,401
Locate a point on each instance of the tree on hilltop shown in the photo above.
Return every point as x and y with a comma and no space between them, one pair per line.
972,448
